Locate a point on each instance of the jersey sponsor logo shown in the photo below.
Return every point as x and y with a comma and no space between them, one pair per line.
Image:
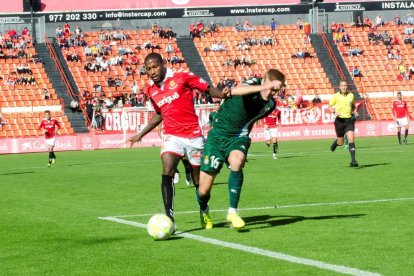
168,99
206,160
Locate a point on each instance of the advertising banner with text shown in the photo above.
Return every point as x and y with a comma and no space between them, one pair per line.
118,140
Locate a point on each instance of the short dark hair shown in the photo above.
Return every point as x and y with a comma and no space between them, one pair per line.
154,56
47,111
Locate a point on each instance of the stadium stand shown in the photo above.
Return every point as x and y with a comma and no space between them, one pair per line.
306,73
25,89
379,72
132,50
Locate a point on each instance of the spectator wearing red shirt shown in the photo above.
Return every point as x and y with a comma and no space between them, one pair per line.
400,113
25,32
50,128
172,98
12,33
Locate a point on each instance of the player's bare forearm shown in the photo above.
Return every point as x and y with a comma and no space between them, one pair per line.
241,90
155,121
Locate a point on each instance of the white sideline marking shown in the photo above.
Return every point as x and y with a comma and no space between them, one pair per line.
285,206
257,251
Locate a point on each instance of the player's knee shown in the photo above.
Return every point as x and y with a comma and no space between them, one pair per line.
168,170
340,142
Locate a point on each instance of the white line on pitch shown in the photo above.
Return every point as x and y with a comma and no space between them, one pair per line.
285,206
258,251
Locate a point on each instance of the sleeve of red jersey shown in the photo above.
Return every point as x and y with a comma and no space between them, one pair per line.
57,124
156,108
195,82
40,125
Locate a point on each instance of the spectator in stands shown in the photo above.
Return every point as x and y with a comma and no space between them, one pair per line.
239,27
25,31
378,21
299,24
142,70
337,37
154,28
410,19
395,41
74,105
46,94
59,32
248,27
316,99
299,54
12,33
169,49
372,38
176,60
170,34
31,79
307,54
306,39
346,40
134,87
110,81
356,72
367,22
356,51
98,88
22,80
86,94
398,21
118,82
200,28
104,65
66,29
411,70
213,27
401,68
359,22
273,25
191,30
236,62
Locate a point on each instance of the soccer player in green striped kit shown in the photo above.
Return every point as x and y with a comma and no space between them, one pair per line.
229,140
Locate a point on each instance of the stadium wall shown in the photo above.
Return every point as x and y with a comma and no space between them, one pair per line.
109,141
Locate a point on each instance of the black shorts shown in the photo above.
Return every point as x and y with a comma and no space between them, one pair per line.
343,125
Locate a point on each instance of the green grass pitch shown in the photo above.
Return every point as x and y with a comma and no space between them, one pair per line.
50,216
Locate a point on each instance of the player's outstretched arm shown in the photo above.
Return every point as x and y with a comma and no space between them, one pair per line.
217,93
241,90
155,121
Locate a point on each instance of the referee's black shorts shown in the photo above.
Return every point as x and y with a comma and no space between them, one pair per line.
343,125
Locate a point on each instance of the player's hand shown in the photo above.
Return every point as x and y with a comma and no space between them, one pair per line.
226,92
276,84
266,127
133,140
45,132
356,113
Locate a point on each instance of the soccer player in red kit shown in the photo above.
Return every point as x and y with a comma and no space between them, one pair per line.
400,113
270,124
50,128
171,94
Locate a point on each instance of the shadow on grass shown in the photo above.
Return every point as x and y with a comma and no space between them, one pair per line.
78,164
290,156
16,173
265,221
371,165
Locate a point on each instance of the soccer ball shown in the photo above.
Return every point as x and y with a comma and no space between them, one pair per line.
160,227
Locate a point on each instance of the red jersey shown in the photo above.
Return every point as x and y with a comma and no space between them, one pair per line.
272,119
49,126
400,109
174,101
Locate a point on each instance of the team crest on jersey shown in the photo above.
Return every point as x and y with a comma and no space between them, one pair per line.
172,85
206,160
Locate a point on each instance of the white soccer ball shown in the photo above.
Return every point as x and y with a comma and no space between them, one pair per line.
160,227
